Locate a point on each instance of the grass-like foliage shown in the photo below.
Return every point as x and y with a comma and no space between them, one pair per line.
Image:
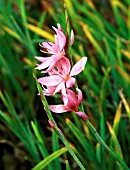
102,33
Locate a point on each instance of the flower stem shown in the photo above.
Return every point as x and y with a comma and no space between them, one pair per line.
70,150
60,135
99,139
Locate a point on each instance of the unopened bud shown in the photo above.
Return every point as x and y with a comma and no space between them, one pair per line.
82,115
51,124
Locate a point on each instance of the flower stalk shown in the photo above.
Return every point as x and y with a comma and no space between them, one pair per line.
54,125
61,80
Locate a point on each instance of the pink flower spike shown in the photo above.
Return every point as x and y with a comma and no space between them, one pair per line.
82,115
72,37
79,66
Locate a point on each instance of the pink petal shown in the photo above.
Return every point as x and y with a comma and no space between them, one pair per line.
59,87
56,40
70,82
59,27
54,49
51,47
59,108
72,99
45,63
53,71
61,39
82,115
47,93
64,95
79,66
50,81
72,37
52,65
52,62
62,42
42,59
58,32
47,45
65,65
49,90
57,57
58,67
80,96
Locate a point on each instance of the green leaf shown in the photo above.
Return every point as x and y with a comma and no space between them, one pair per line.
55,143
49,159
67,165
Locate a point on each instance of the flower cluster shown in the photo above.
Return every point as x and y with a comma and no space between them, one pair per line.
60,73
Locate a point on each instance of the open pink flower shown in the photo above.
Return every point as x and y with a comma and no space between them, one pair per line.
60,42
61,77
72,104
55,49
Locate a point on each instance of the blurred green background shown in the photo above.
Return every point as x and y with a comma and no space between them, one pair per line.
102,33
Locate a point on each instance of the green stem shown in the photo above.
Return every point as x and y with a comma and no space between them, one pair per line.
99,139
70,149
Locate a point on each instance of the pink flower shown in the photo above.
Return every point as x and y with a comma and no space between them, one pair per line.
60,42
72,104
61,76
56,49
